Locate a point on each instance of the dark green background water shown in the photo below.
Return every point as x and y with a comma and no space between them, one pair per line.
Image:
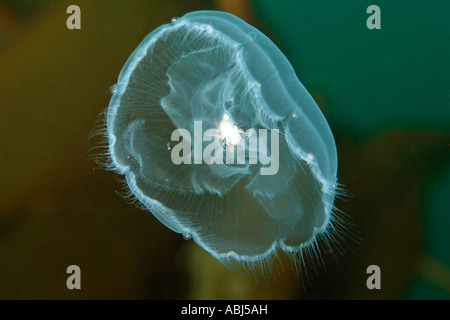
385,94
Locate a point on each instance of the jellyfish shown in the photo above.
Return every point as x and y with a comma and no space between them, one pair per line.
216,137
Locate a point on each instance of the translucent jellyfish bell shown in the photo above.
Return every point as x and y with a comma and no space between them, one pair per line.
220,141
